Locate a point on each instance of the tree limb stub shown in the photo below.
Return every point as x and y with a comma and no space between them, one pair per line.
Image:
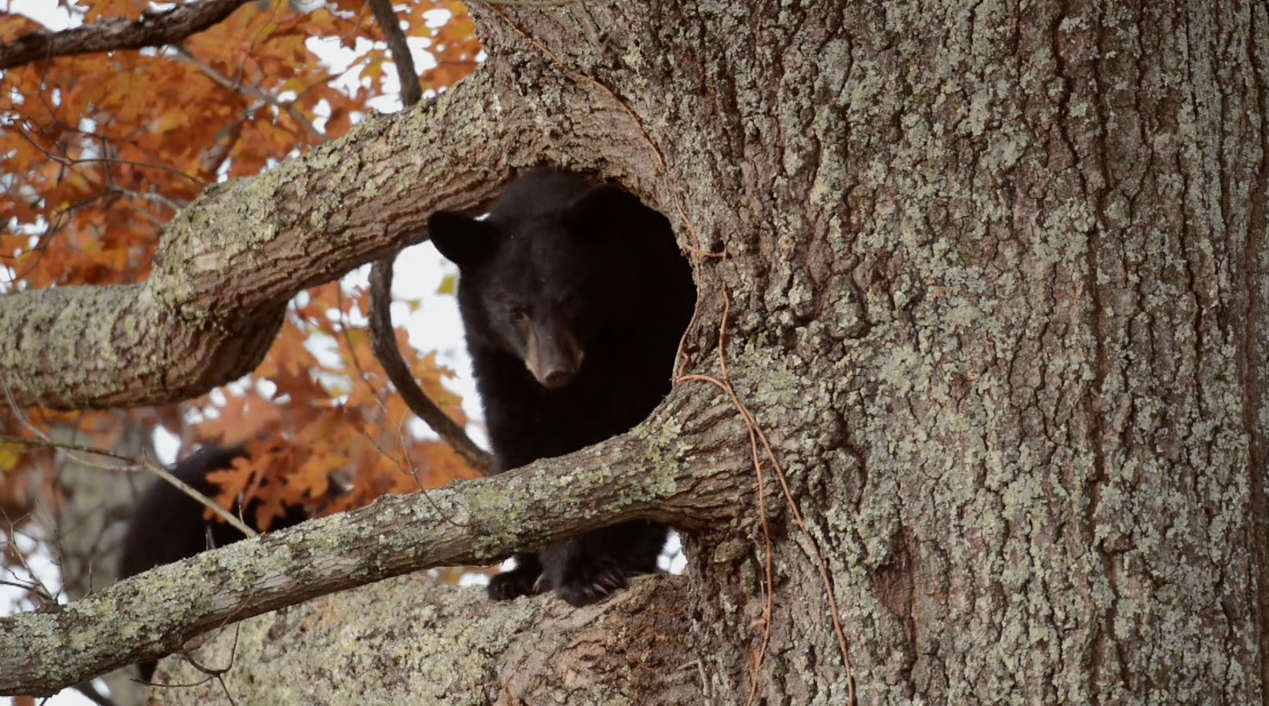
152,30
229,262
97,346
682,467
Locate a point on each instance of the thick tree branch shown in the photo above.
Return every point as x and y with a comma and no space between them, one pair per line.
229,262
683,466
152,30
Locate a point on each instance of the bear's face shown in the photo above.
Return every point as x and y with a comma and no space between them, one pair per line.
540,285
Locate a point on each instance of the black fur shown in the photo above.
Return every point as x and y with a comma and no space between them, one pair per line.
574,296
167,525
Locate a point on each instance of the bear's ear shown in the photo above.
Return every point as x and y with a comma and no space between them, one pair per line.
464,241
603,209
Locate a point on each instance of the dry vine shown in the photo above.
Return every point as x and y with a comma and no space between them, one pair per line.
757,434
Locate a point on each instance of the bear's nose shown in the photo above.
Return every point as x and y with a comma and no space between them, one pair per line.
556,378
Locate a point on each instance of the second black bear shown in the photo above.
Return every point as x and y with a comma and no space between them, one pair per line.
167,525
574,297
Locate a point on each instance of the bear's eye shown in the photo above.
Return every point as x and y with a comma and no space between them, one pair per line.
570,305
519,312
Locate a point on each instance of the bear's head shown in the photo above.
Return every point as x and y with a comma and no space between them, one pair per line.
548,272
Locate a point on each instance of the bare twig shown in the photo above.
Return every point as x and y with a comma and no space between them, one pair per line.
133,466
34,585
45,442
151,197
251,92
151,30
408,468
68,161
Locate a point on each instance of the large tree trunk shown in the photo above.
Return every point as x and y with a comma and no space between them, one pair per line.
993,285
996,274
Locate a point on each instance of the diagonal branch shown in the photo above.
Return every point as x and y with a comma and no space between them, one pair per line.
682,467
152,30
411,92
385,346
255,93
381,332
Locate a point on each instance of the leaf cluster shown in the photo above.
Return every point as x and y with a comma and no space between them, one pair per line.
98,152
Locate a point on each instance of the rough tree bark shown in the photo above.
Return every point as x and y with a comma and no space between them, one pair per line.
997,287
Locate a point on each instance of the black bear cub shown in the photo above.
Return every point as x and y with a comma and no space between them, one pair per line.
167,525
574,296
